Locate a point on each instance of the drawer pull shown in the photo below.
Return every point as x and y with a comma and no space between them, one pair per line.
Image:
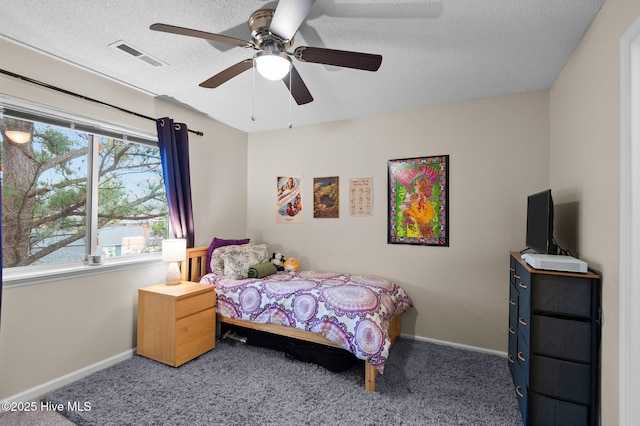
510,359
519,392
523,285
516,276
522,321
512,270
520,357
512,302
511,330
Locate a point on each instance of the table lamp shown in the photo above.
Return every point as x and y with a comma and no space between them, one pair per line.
174,251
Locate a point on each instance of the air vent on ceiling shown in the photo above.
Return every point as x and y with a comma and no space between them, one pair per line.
134,51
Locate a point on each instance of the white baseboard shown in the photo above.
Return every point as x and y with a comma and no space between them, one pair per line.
455,345
40,390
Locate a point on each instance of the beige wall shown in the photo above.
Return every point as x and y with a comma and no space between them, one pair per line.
584,165
498,155
53,329
49,330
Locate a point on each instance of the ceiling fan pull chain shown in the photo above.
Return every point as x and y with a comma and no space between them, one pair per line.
290,96
253,91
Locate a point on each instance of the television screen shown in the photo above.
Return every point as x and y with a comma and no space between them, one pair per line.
540,223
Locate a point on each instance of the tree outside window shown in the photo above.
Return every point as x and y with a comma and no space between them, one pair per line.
47,196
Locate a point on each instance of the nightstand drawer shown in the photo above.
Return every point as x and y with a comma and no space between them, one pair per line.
195,335
193,304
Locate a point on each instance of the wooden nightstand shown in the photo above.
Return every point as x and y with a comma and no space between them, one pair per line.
176,323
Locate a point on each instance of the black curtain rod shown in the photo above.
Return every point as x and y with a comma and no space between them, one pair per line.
67,92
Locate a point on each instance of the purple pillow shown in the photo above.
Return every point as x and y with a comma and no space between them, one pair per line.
219,242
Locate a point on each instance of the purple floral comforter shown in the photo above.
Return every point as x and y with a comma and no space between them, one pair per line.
352,311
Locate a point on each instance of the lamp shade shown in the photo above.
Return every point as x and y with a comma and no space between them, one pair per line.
174,250
273,66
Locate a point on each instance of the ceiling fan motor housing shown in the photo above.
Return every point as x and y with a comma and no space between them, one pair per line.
259,23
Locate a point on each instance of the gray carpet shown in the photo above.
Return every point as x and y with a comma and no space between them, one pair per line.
236,384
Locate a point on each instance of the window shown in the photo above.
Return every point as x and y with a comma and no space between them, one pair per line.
69,192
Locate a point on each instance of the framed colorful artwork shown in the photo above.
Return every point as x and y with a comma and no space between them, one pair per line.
419,201
326,197
289,199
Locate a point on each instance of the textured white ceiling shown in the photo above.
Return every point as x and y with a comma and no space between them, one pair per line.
434,52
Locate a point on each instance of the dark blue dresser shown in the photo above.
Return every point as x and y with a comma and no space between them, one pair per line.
554,344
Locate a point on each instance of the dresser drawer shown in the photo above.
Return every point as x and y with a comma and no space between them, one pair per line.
569,296
195,303
552,412
520,387
521,274
513,310
561,338
513,347
523,356
522,285
560,379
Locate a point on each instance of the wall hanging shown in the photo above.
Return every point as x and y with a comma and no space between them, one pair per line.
361,196
418,201
289,199
326,197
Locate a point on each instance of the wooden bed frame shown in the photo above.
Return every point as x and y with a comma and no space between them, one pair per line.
194,267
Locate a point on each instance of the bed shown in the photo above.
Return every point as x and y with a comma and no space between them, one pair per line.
368,308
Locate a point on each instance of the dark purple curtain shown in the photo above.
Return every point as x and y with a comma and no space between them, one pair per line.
173,140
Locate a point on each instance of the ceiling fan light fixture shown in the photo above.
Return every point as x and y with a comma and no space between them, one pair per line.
273,66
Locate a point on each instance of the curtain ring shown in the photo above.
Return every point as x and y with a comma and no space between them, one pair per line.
161,122
176,126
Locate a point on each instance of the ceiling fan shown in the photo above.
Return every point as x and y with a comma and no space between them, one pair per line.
272,32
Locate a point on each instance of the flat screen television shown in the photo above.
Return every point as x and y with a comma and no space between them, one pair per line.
540,223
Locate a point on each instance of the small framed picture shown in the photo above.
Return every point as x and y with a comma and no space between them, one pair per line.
326,197
361,197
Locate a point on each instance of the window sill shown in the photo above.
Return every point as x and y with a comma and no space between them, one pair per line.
39,275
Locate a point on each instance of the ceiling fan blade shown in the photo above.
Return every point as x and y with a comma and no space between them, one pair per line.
202,34
288,17
339,58
297,87
228,74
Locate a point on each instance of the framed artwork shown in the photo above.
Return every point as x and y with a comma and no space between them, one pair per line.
289,199
326,197
361,197
419,201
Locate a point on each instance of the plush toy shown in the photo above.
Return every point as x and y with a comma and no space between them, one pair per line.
291,264
278,260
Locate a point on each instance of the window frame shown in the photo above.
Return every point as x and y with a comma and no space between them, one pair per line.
18,108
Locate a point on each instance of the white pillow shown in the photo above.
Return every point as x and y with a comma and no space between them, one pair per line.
217,263
234,261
